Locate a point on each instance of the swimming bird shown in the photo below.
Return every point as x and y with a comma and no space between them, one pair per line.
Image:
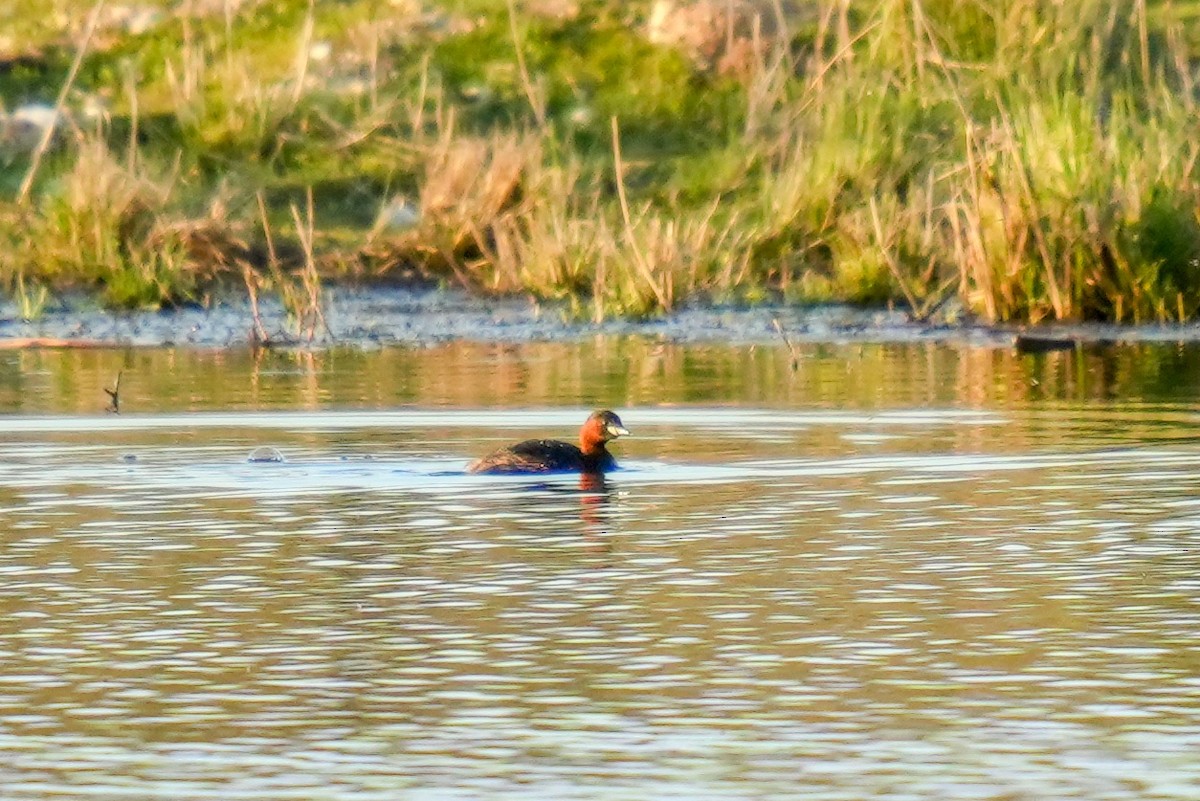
554,456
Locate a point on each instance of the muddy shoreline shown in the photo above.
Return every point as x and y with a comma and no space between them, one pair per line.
382,316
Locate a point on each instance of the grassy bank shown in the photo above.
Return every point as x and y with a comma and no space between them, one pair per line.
1016,159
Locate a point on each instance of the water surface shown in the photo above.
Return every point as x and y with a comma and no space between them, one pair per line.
898,572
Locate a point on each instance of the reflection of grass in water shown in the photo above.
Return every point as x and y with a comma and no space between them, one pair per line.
1033,158
626,374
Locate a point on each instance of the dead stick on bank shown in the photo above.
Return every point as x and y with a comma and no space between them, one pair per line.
314,312
251,278
643,264
258,333
48,132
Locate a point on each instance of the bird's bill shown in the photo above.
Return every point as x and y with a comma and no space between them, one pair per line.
615,430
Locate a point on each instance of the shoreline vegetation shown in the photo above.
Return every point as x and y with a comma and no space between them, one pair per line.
999,161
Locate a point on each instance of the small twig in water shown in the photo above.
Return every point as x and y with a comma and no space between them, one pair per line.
795,362
114,395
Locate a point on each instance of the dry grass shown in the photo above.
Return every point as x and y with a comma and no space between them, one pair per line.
1036,159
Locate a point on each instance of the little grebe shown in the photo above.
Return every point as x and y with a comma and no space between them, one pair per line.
553,456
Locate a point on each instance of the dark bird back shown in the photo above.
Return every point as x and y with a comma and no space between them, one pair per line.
555,456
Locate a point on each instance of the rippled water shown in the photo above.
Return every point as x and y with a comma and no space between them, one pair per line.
897,573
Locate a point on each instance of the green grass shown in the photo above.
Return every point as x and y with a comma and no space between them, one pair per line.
1035,159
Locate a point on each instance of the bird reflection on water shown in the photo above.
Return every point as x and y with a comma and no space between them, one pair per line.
595,494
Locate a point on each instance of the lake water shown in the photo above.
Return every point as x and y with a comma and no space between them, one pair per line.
898,572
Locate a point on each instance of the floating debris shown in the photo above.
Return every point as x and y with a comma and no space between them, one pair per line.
265,454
